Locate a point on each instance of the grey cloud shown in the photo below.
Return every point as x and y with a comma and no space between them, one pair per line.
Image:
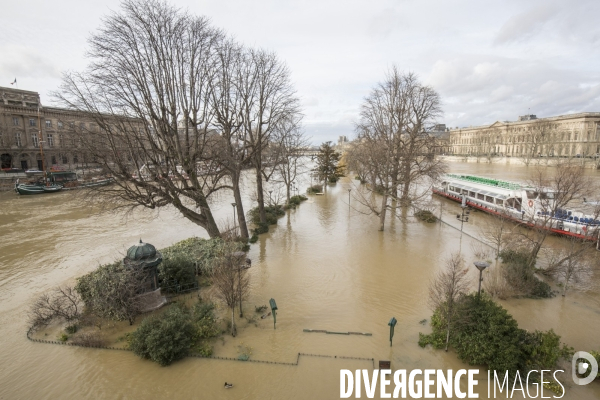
25,63
525,24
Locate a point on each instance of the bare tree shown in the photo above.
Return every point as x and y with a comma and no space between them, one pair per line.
269,101
61,303
226,96
536,141
498,233
446,288
394,147
573,265
291,142
556,189
146,91
230,281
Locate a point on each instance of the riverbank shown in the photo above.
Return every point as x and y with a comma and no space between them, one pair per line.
519,161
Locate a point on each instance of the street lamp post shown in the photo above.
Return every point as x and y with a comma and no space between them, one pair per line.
234,224
349,199
481,265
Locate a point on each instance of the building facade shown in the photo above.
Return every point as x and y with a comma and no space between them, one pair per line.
24,123
572,135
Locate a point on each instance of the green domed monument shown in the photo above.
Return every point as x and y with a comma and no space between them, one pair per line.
144,258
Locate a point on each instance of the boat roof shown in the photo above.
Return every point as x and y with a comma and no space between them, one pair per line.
480,180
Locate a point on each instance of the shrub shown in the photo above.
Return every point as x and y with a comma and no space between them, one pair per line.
484,333
63,337
315,189
272,212
178,268
206,323
111,291
254,237
520,275
164,338
71,329
90,339
295,201
426,216
196,250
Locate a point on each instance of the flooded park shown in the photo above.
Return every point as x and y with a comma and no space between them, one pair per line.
325,263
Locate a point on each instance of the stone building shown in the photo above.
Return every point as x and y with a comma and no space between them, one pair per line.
571,135
24,122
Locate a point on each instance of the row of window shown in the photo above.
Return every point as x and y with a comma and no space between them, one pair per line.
59,124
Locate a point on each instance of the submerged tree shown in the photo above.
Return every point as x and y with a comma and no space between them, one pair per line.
394,150
573,265
291,142
555,189
328,164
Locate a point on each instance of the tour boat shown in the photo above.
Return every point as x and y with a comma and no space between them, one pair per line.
520,203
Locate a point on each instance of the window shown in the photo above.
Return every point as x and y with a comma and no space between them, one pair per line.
18,139
50,141
75,159
82,126
53,159
15,121
35,140
65,160
59,124
32,122
61,139
48,123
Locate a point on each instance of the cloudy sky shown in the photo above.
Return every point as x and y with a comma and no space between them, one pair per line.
489,60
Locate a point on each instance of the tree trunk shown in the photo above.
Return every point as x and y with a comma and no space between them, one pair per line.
232,321
383,210
260,194
241,217
447,336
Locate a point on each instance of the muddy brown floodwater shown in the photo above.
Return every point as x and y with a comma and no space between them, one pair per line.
326,265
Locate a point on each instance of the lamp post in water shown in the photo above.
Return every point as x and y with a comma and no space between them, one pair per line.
273,311
392,324
349,199
481,265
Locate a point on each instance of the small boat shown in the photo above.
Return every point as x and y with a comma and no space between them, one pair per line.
524,205
27,189
228,385
68,180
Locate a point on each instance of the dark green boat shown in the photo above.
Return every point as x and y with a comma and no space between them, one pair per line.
27,189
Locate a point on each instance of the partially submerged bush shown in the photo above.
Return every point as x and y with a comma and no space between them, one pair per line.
89,339
295,201
111,292
315,189
484,333
520,275
60,304
177,268
164,338
196,250
426,216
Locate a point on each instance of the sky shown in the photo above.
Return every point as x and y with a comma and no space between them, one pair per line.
489,60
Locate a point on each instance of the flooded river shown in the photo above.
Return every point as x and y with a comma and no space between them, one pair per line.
326,265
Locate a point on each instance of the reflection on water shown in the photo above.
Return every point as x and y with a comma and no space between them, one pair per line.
328,267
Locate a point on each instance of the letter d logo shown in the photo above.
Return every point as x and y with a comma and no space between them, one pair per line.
581,368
